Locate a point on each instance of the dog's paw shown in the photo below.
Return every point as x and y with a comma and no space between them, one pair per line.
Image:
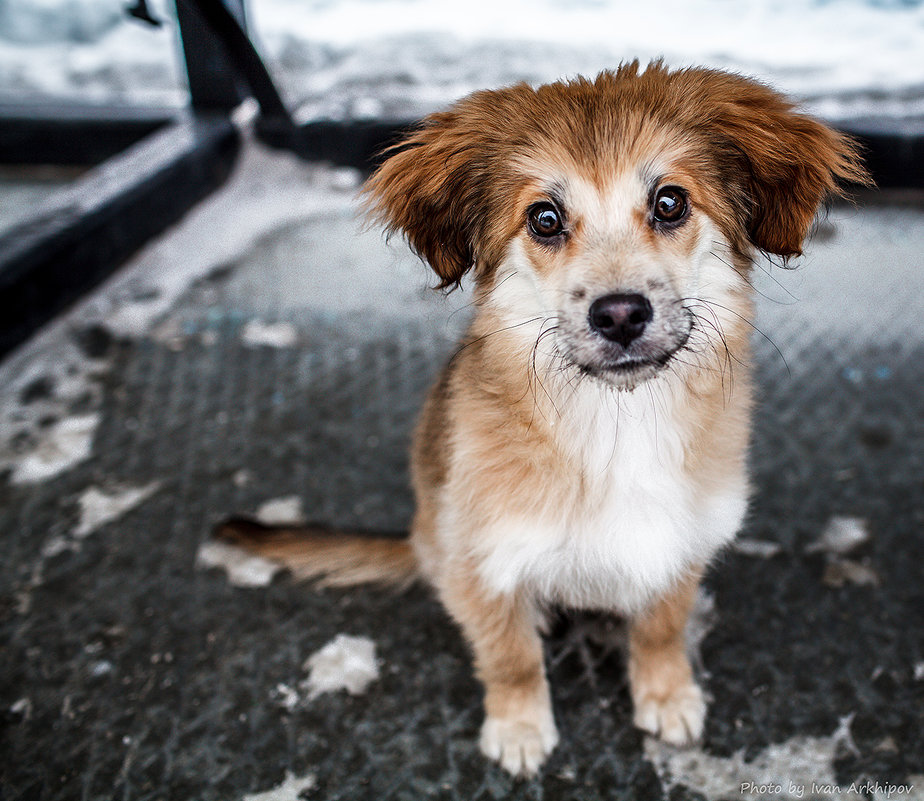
519,746
677,718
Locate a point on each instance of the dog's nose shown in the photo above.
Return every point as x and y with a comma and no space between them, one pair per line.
620,318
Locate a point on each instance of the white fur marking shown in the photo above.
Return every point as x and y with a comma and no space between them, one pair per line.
632,534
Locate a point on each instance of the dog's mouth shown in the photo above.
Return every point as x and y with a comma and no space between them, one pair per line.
627,366
629,369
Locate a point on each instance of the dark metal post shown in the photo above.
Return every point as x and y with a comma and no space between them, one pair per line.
213,84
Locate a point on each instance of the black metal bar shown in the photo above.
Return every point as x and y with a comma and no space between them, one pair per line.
893,149
351,144
214,85
240,54
73,134
85,231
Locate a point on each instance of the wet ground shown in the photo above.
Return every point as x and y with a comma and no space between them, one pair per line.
268,349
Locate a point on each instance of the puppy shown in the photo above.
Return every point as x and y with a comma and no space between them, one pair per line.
586,446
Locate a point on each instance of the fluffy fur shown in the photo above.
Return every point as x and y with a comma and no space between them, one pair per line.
568,456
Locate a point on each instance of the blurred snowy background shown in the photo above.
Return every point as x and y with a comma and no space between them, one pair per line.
401,58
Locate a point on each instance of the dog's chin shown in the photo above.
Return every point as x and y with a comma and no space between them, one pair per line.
625,376
628,372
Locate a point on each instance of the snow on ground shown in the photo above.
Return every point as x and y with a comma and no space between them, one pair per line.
63,445
345,663
243,569
256,333
280,511
401,58
292,788
802,767
101,506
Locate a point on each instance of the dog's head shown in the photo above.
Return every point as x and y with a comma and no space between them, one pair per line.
612,208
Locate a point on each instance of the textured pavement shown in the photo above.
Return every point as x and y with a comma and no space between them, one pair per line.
127,671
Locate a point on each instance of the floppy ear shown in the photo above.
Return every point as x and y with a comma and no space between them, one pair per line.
428,188
793,162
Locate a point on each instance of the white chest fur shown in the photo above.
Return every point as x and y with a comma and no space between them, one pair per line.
636,525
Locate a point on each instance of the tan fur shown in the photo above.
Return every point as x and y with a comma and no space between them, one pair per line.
666,699
550,464
331,559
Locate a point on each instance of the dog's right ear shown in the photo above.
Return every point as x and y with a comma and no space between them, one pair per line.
429,189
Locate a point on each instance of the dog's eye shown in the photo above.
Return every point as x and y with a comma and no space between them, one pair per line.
670,205
545,221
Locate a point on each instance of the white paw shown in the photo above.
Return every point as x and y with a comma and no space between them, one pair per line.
677,719
519,746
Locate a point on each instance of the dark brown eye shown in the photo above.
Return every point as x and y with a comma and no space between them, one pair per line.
670,205
545,221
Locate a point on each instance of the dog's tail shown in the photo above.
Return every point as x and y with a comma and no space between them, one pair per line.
330,558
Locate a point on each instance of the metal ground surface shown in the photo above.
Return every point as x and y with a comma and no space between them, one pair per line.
129,672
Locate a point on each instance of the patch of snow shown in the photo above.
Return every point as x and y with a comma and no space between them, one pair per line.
242,477
43,21
291,789
101,668
761,549
55,546
345,663
345,178
22,708
839,572
62,446
406,57
280,511
919,671
840,536
268,191
99,507
287,697
778,771
916,784
98,56
243,569
41,383
256,333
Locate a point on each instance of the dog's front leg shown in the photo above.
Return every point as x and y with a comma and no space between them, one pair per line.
667,700
502,630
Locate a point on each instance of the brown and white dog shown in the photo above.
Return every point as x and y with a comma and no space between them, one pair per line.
586,447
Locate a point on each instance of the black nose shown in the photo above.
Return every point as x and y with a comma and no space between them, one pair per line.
620,318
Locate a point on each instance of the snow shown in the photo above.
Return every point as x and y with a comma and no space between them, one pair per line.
345,663
760,549
362,58
243,569
280,511
840,536
40,434
267,193
257,333
63,446
99,507
777,772
292,788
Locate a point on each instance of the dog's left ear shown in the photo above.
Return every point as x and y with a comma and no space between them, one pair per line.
794,162
433,187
